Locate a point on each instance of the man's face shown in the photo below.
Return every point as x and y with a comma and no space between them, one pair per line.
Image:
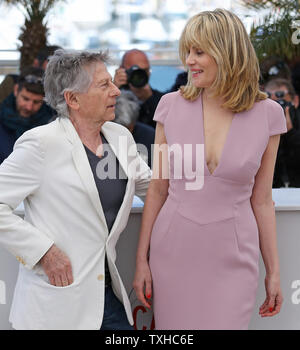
280,93
138,59
98,103
27,103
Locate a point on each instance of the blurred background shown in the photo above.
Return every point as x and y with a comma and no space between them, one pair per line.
150,25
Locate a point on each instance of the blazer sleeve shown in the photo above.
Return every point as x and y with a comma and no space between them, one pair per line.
142,172
20,176
143,177
276,119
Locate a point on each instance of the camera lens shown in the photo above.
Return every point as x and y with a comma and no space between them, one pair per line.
137,77
279,94
284,103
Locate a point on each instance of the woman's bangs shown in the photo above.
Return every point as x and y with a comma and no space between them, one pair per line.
192,39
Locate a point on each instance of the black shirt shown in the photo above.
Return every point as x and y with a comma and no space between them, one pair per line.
148,108
111,182
287,167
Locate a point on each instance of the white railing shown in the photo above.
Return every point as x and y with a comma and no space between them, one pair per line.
9,59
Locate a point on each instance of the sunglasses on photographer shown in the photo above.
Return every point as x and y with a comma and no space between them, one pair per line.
278,94
32,79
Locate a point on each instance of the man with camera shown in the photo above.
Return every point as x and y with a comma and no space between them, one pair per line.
287,168
134,74
23,109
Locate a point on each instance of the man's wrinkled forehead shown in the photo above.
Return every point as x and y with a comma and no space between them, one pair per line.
97,71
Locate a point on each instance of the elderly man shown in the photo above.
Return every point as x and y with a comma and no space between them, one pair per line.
24,109
149,97
77,177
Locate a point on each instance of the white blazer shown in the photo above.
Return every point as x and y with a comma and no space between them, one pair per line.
50,172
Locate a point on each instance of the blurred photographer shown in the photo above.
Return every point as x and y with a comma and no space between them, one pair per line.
126,113
287,168
134,74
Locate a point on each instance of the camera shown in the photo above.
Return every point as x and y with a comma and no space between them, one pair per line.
280,95
137,76
284,103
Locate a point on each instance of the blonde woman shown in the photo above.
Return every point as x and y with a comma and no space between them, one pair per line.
204,241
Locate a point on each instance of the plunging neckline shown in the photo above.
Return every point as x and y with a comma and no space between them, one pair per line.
228,136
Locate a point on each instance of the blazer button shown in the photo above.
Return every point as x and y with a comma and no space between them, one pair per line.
100,277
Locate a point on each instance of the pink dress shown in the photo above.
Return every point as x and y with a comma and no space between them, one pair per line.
204,248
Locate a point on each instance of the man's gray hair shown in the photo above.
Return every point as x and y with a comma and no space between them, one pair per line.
69,70
127,108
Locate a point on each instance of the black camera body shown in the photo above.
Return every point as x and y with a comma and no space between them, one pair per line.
284,103
292,110
137,76
280,95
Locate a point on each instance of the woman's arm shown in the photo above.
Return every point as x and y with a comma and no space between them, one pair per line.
263,208
156,196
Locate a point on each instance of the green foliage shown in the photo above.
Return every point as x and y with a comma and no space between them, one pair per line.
34,31
33,9
272,36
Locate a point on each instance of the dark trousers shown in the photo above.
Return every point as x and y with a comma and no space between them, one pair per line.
114,317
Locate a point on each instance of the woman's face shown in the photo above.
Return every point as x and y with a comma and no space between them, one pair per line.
203,68
98,103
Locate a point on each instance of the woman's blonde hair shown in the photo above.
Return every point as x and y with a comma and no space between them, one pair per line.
222,35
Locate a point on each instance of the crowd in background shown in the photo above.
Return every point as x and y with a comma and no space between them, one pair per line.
22,106
282,84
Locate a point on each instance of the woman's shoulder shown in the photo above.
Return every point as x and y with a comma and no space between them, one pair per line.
269,104
172,96
170,103
274,115
263,107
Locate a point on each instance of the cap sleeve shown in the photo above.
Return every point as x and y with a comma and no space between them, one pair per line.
276,119
162,110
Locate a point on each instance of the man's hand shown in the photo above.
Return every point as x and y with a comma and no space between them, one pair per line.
289,124
57,267
120,77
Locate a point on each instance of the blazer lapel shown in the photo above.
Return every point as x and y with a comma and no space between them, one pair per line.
84,170
119,144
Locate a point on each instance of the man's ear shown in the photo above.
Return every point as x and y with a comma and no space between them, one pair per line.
36,63
71,100
16,88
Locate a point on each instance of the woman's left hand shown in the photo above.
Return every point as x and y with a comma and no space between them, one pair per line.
274,299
